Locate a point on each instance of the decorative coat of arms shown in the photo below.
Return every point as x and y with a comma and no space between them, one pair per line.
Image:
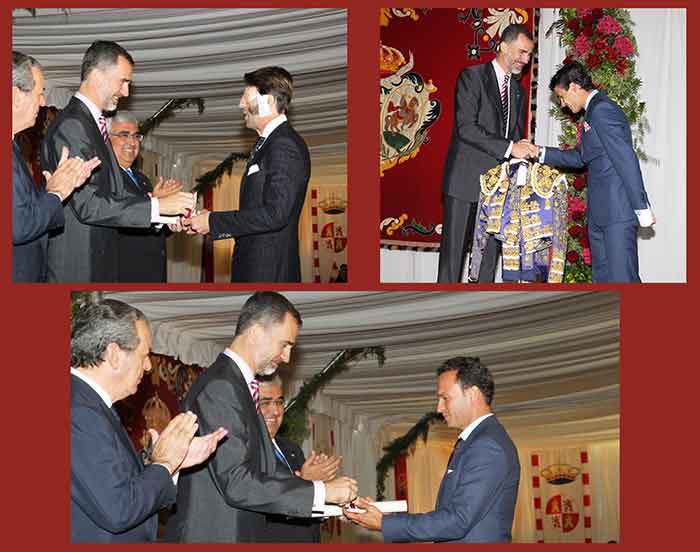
406,110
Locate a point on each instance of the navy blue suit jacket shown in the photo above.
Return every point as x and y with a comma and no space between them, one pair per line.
477,495
266,226
113,496
34,213
615,185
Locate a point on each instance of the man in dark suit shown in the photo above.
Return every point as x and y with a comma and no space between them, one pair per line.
489,120
476,500
290,457
36,210
266,226
142,254
114,497
226,500
617,200
86,249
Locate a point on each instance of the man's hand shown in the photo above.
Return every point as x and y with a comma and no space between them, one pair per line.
69,174
164,188
371,519
524,150
173,444
341,490
319,467
177,203
200,222
202,448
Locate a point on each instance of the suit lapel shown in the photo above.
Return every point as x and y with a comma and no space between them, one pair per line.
514,99
19,160
494,94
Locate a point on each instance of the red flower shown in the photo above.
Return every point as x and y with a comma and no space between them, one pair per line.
609,25
576,230
579,183
599,45
592,61
572,257
587,256
587,28
596,13
611,55
573,24
621,66
581,45
624,45
583,240
583,12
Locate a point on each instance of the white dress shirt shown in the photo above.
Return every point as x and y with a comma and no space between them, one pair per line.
472,426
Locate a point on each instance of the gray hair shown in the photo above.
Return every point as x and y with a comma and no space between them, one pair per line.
95,325
22,76
125,117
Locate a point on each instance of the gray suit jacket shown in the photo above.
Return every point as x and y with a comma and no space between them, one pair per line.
477,495
226,498
85,250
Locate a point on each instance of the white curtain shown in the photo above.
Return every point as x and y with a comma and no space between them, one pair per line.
661,40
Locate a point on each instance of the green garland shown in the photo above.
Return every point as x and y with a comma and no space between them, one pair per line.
296,415
167,110
400,445
602,40
226,166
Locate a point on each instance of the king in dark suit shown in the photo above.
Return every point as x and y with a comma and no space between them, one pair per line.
273,189
489,120
114,496
617,201
86,248
476,500
36,210
227,499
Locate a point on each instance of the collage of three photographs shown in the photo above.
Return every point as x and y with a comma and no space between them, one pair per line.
276,336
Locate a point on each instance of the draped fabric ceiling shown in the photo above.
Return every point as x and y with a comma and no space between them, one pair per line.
182,53
554,355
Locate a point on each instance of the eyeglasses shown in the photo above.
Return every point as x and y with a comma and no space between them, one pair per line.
125,136
269,402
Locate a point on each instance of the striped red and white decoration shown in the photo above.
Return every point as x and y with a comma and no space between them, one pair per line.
537,497
586,480
315,231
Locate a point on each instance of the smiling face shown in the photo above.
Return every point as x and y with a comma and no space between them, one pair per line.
514,56
573,97
126,146
272,405
112,82
25,105
454,403
273,344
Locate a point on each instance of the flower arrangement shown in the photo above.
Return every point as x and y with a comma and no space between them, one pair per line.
602,40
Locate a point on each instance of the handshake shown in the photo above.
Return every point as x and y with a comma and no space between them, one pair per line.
524,150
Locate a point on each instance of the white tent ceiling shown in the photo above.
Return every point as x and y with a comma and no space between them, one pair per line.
204,53
554,355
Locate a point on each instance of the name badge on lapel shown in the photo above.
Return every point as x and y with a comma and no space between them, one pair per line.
253,169
586,126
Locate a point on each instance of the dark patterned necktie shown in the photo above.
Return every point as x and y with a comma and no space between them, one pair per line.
504,103
103,128
256,147
255,393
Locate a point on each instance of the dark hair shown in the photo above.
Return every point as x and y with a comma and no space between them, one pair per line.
571,72
100,55
95,325
275,81
22,76
265,308
513,31
470,371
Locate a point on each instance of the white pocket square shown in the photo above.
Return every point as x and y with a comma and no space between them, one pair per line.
449,471
253,169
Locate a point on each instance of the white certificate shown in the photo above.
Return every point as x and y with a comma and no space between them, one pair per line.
385,507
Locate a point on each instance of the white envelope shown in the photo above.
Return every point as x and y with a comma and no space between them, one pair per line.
386,507
253,169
